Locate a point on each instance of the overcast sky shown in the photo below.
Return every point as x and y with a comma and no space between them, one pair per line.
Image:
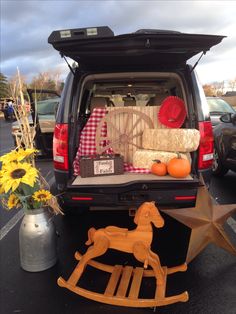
26,25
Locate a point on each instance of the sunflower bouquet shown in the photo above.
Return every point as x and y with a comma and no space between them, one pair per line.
21,184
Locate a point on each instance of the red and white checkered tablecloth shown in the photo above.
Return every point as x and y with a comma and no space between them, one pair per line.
87,145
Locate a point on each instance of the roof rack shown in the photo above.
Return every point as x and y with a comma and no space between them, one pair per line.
80,33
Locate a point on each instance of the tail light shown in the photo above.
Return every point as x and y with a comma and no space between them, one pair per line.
206,145
82,198
60,147
185,198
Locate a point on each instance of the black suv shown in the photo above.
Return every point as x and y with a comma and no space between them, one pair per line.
128,71
225,145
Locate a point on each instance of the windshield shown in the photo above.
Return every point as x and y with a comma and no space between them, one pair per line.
218,105
47,107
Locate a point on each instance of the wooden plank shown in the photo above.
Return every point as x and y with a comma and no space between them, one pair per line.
161,289
124,282
183,297
132,301
136,283
114,278
110,268
75,275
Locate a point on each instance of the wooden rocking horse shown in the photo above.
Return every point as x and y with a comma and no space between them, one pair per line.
138,242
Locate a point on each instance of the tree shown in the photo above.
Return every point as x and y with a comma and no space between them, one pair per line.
219,88
47,80
232,84
4,90
209,90
14,85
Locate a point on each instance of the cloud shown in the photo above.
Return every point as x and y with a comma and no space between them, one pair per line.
26,25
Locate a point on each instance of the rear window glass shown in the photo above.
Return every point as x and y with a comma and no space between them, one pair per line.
132,91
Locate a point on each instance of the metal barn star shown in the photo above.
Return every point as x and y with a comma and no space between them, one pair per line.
206,220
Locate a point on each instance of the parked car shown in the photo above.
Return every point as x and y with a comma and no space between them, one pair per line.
42,113
140,66
225,145
217,108
7,109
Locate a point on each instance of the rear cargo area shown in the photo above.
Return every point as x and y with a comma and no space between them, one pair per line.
124,116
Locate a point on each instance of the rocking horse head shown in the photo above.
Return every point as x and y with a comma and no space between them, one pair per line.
148,213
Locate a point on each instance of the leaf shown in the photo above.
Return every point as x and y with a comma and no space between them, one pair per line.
36,204
27,189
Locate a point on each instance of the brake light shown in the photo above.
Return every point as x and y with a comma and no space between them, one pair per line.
81,198
60,147
206,145
185,198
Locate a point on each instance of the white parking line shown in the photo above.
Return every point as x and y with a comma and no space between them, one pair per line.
51,180
11,224
232,223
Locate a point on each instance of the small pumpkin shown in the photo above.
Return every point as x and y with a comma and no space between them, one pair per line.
179,167
159,168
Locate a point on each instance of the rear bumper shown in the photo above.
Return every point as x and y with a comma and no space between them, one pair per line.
173,198
132,195
176,193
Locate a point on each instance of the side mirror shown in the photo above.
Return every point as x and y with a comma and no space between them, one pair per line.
226,118
229,118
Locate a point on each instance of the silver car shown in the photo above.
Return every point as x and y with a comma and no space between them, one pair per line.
43,112
217,108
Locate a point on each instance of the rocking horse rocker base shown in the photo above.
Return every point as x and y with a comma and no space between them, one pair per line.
123,287
122,278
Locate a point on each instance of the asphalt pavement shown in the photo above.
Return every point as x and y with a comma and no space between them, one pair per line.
210,279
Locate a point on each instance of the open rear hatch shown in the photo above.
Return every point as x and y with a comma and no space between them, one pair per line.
98,47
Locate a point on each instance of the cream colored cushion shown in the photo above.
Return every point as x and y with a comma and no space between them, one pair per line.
171,140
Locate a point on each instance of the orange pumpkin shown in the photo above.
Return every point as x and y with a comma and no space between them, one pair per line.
159,168
179,167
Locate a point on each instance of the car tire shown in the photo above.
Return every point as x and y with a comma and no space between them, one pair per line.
217,168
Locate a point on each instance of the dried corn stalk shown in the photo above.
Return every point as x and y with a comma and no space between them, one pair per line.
25,136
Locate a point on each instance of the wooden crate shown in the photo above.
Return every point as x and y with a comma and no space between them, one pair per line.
101,165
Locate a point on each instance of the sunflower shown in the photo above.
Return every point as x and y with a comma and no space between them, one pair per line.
19,155
1,189
13,200
12,156
24,153
14,174
42,196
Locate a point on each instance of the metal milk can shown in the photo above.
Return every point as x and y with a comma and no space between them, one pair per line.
37,241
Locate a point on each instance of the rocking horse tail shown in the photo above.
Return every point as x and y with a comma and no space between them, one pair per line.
90,236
